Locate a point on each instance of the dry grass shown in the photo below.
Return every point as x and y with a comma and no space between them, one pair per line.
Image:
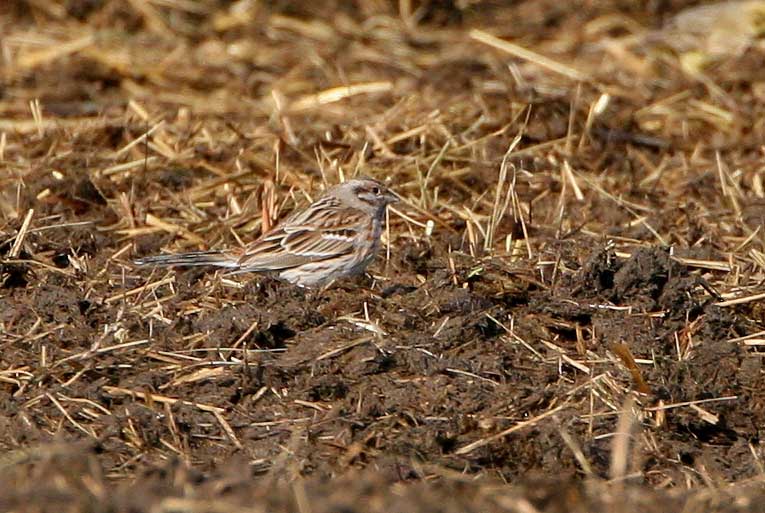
539,152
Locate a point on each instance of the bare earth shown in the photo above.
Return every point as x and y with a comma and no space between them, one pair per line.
566,315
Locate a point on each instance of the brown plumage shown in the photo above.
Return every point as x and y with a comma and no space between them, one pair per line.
336,236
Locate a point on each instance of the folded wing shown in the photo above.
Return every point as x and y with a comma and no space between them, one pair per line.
320,233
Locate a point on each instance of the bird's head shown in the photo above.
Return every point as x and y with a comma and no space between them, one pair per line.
366,194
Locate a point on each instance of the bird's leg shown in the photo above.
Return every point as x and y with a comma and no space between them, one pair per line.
325,287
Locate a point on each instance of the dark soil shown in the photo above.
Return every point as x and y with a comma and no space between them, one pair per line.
447,379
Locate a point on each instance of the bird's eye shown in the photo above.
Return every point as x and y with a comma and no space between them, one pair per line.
376,191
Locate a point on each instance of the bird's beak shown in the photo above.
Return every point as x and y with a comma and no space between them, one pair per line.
391,198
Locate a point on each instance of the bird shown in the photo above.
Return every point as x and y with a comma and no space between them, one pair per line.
336,236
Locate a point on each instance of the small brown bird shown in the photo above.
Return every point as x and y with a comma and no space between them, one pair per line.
336,236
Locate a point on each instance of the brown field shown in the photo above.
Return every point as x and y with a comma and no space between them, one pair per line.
567,315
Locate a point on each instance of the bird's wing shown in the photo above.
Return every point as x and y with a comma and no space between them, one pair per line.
307,236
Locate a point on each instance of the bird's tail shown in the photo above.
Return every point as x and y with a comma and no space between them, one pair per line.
215,258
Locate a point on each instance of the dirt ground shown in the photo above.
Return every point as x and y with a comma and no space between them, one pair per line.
566,315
